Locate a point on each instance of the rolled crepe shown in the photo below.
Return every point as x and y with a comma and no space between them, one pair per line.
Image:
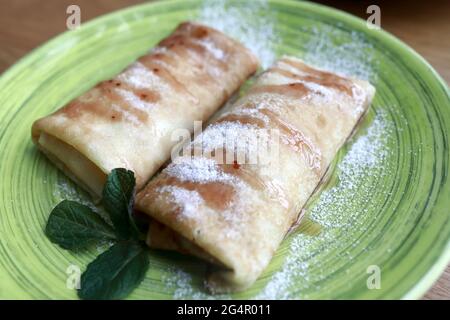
220,204
128,121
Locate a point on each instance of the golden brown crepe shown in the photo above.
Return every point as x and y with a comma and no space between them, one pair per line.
128,121
235,213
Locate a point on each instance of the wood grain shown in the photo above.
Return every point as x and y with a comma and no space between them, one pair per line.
25,24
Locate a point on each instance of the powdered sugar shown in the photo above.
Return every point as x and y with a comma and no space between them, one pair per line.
314,87
245,139
188,201
67,190
196,169
218,53
253,112
181,282
334,212
139,77
129,116
352,56
364,156
134,100
240,23
203,170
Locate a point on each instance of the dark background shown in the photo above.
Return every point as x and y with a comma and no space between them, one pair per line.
424,25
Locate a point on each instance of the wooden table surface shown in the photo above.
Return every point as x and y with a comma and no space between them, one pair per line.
424,25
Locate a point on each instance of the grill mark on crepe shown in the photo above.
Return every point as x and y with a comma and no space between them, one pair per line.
294,89
126,107
296,140
217,195
155,63
290,136
326,82
100,100
320,77
227,45
241,118
146,94
101,107
195,30
186,42
244,173
203,33
196,61
236,169
183,44
162,57
76,108
190,43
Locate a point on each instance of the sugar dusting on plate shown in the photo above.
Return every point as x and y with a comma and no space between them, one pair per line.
333,211
181,283
351,57
66,190
249,23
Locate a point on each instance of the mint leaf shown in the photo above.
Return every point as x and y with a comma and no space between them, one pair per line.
75,226
118,198
139,222
115,273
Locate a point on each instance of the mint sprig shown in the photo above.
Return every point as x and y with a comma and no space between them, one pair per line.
75,226
119,270
118,198
115,273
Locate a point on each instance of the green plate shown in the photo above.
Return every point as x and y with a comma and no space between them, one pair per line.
384,212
